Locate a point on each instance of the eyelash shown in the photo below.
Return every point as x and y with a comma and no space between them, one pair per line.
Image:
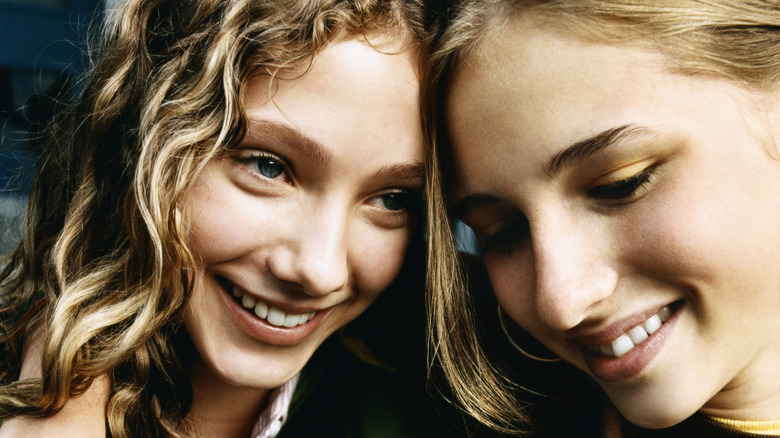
405,197
409,203
511,236
624,189
409,200
253,158
508,238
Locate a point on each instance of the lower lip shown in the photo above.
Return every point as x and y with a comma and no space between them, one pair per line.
261,330
617,369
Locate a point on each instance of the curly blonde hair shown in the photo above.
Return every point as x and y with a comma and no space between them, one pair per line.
104,237
738,40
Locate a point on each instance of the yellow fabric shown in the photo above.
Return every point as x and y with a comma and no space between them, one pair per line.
758,427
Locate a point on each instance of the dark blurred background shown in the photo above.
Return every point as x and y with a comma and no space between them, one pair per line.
43,46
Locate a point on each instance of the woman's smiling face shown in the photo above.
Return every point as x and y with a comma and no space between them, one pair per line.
629,218
300,228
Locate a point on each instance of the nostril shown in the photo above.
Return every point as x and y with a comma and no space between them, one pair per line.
313,257
325,284
324,270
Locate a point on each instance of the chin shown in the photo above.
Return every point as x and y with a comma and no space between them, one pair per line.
655,415
253,371
255,380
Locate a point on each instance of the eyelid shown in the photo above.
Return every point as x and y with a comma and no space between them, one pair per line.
512,233
393,191
622,173
393,219
253,153
498,227
413,198
246,155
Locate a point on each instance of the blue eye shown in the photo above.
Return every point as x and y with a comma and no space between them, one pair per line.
265,164
395,201
399,202
269,167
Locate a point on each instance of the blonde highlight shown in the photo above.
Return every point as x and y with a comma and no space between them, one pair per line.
733,40
104,237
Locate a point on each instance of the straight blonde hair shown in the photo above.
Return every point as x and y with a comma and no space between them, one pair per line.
738,40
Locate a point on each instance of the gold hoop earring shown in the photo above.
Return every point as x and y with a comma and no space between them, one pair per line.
518,347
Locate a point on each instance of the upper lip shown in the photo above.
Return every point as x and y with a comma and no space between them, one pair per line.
283,306
601,331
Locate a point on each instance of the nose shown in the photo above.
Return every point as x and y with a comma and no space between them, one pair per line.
573,268
315,254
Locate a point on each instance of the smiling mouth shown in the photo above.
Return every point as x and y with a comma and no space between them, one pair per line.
633,337
272,315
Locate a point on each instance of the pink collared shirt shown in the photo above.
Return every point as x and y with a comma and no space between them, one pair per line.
273,417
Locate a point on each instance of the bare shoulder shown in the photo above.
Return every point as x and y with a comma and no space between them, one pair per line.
82,416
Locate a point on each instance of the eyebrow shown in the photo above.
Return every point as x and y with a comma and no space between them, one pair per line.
264,130
568,157
413,172
581,150
473,202
291,136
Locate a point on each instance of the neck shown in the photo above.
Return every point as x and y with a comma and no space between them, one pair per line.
220,409
754,395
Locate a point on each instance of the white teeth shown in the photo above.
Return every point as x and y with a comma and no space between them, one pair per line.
261,309
292,320
627,341
637,334
652,324
272,315
248,301
622,345
275,316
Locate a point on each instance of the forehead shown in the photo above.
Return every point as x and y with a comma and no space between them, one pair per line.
544,73
354,95
536,89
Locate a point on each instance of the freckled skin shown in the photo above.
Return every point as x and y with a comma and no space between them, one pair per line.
704,231
317,236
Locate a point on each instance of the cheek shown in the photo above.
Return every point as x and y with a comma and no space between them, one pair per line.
377,258
721,245
697,235
513,281
224,223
